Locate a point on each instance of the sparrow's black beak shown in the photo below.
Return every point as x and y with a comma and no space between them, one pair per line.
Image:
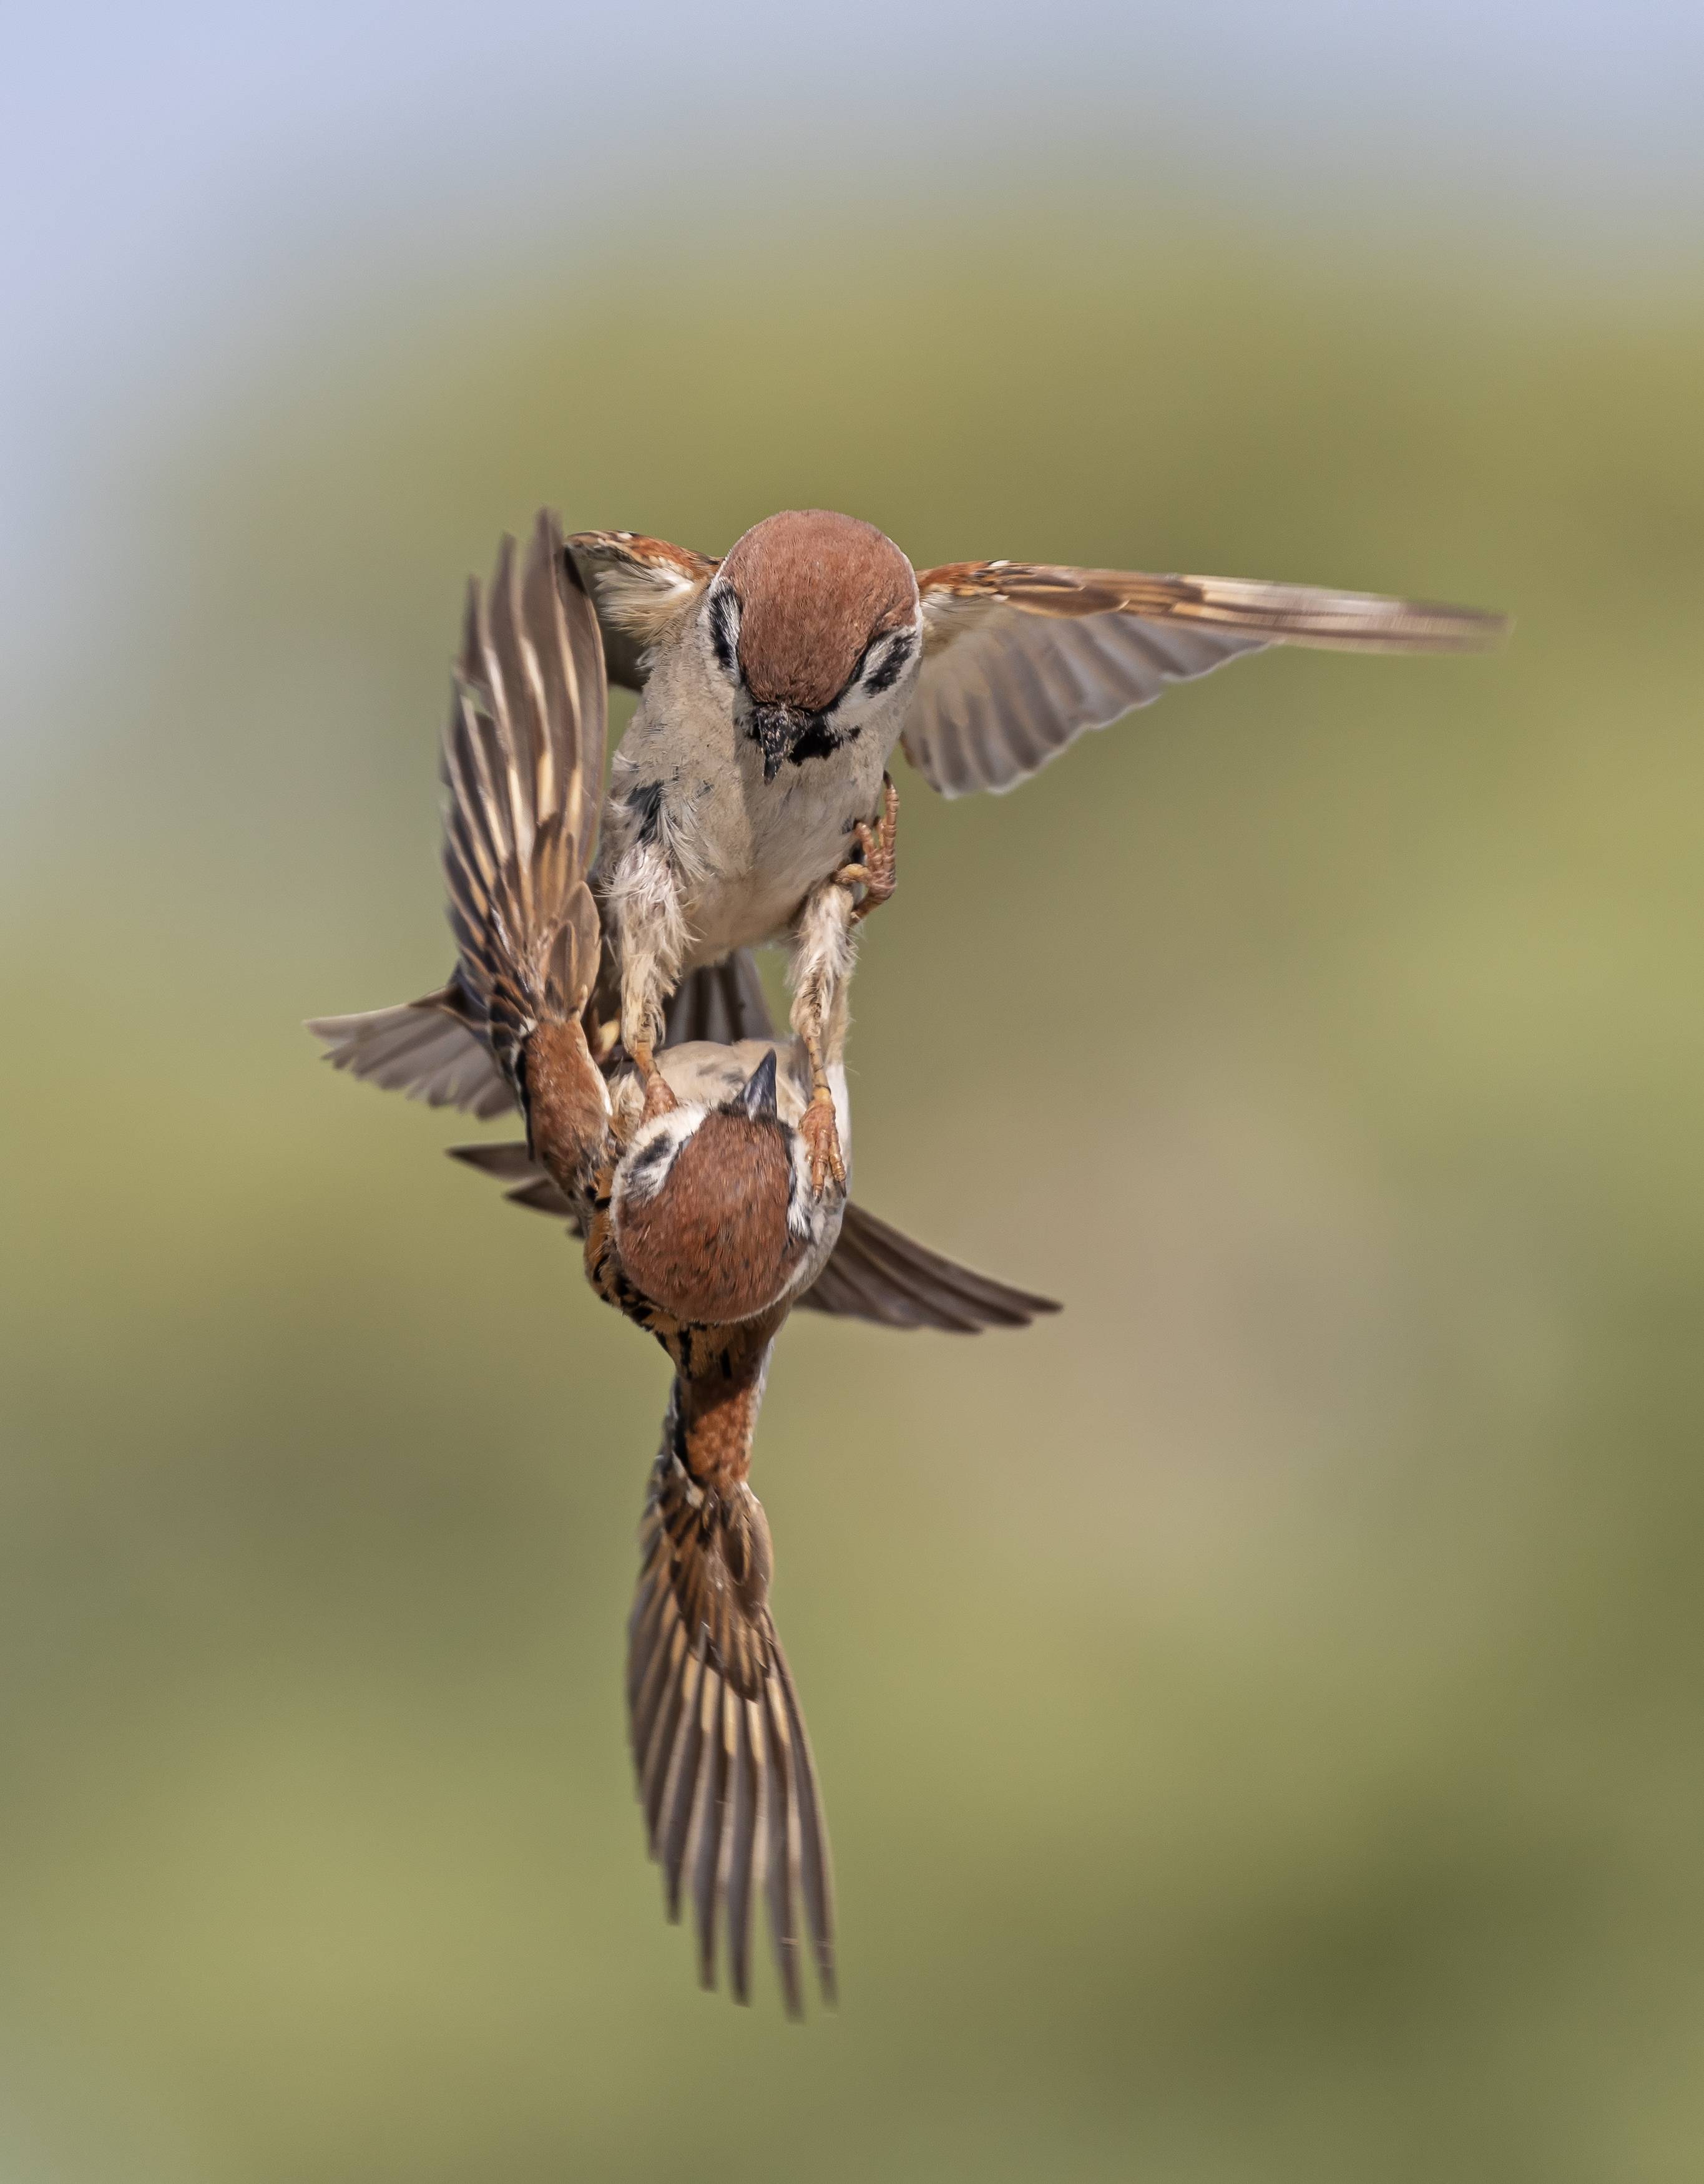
758,1097
775,729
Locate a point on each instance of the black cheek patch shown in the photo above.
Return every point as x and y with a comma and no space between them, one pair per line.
819,740
722,631
641,1169
891,668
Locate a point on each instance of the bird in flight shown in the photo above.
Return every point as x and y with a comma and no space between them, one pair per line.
750,801
691,1184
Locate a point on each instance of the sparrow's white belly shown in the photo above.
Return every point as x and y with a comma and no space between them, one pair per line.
746,852
763,861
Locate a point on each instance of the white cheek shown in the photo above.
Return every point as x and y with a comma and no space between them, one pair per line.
886,710
644,1166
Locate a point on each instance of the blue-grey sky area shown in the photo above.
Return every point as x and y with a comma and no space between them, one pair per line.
178,181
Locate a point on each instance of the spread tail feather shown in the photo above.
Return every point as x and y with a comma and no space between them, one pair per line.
725,1770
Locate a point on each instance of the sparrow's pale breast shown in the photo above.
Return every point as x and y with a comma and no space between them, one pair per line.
745,851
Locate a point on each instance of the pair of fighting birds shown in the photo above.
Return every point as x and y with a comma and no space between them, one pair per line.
604,988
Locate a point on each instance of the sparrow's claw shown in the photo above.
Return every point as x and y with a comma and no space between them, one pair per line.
823,1142
658,1097
878,874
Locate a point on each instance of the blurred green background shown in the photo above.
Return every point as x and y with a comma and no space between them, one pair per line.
1260,1711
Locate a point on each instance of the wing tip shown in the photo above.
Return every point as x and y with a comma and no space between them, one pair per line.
1329,621
878,1274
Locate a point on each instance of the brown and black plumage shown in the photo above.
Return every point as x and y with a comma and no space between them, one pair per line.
692,1188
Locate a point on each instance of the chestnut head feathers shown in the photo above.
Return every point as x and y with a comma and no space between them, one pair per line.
812,617
714,1213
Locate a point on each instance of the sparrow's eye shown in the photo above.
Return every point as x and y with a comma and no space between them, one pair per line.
722,619
884,662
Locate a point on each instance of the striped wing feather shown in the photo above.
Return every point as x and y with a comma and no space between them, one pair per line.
876,1272
1020,659
433,1049
523,761
638,586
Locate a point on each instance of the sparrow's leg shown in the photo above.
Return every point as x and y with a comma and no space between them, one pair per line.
824,949
641,904
879,872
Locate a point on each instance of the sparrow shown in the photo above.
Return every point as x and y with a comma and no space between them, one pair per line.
690,1183
750,800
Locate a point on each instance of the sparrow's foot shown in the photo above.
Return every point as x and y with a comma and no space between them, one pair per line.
658,1099
823,1141
878,874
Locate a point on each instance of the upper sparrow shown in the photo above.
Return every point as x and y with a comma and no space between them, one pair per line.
748,799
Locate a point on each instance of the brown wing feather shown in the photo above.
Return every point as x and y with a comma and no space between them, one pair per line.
638,586
507,1163
1275,614
527,714
533,1187
433,1049
523,761
1020,658
876,1272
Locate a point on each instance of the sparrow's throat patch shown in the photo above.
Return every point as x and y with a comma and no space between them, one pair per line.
788,735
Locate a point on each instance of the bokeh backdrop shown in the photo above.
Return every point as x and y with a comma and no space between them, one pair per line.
1260,1711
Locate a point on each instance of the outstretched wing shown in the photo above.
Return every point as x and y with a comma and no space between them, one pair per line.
638,586
524,763
876,1272
433,1049
524,754
532,1186
725,1767
1020,659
